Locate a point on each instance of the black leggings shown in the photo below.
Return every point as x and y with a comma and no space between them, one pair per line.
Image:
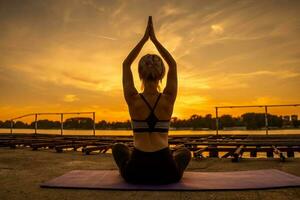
159,167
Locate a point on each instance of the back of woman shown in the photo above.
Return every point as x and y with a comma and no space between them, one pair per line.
151,141
150,161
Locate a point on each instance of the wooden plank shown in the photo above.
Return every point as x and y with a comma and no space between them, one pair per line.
215,144
60,148
270,154
237,155
36,146
290,153
230,153
198,153
253,153
278,152
213,151
88,150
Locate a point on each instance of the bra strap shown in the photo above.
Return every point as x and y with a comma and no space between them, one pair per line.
156,102
147,103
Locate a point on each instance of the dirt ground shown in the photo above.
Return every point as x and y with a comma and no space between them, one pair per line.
22,170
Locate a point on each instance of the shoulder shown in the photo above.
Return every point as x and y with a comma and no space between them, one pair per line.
169,98
131,100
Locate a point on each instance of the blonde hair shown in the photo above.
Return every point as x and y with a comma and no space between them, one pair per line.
151,69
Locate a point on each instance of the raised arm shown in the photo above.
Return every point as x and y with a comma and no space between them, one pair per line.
171,85
128,83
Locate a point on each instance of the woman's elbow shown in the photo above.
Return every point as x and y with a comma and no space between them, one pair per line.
125,63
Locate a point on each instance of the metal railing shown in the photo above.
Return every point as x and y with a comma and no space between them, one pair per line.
61,120
94,113
254,106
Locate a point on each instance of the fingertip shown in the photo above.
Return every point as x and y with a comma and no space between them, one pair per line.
150,19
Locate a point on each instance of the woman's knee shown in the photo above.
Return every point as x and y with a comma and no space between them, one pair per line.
187,152
183,152
121,153
182,158
119,147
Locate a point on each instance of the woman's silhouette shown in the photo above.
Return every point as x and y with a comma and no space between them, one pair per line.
151,161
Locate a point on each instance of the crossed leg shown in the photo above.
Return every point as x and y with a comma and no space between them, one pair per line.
121,154
182,157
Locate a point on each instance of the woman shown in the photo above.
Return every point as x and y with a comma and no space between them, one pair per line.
151,161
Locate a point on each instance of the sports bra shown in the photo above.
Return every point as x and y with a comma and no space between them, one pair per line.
151,123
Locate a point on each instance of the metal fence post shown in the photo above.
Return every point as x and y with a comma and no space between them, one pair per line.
266,120
35,124
11,126
61,123
94,127
217,122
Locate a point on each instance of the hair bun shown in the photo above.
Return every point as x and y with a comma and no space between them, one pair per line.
151,67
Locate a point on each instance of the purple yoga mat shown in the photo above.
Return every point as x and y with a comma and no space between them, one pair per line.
236,180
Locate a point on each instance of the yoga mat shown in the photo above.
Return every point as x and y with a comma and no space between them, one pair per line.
236,180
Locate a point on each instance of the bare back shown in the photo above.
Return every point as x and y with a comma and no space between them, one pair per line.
153,141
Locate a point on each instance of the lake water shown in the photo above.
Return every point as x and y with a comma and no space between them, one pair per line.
171,132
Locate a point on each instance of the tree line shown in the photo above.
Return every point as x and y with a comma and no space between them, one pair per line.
250,121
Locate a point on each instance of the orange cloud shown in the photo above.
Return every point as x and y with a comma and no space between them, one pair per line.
68,56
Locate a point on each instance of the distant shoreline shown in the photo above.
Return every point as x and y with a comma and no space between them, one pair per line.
172,129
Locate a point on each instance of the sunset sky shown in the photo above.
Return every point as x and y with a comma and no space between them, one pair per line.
62,56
